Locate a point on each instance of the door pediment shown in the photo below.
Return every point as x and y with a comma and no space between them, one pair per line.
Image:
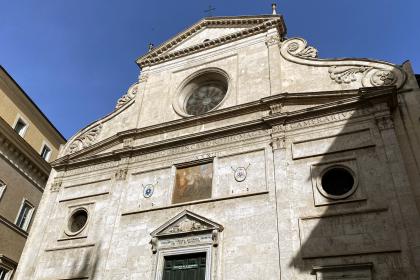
186,222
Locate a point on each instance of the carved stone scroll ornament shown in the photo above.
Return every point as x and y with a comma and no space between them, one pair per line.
85,139
369,73
370,76
131,93
296,48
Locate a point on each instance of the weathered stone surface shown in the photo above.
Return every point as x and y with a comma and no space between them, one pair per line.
286,115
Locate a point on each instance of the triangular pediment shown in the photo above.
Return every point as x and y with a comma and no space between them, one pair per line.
184,223
205,35
211,32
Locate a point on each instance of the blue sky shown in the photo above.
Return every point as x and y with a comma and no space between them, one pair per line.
76,58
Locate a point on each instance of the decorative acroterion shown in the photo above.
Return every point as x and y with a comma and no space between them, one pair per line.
274,8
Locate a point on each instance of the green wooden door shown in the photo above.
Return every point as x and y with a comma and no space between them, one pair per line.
185,267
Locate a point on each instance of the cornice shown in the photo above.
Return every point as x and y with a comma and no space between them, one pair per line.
256,24
28,160
13,227
238,110
345,100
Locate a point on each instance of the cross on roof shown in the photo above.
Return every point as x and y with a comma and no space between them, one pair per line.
209,10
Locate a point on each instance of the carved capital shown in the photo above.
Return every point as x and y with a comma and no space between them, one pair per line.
272,40
276,108
56,185
384,122
121,174
128,142
279,143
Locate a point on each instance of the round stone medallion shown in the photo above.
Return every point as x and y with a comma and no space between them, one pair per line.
148,190
240,174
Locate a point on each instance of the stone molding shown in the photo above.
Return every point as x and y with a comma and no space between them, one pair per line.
21,156
13,227
367,73
255,25
195,202
358,103
78,142
188,224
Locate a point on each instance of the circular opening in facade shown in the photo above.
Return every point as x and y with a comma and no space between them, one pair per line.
205,97
77,221
337,182
202,93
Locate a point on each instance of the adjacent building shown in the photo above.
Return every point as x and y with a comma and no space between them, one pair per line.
239,154
28,142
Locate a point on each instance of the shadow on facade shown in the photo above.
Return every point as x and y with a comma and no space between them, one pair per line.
352,232
86,266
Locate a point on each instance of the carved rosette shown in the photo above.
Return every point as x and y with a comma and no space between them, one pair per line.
368,73
131,93
85,140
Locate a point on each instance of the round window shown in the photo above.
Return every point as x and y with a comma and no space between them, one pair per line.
205,98
338,182
201,93
77,221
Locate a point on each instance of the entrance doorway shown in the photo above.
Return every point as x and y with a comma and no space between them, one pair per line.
185,267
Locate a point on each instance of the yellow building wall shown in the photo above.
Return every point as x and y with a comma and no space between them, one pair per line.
14,104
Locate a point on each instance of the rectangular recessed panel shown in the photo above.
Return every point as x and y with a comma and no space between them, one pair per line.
348,234
88,189
337,143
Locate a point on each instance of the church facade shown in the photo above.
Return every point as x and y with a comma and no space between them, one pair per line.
239,154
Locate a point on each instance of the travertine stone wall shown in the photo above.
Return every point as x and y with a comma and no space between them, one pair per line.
275,224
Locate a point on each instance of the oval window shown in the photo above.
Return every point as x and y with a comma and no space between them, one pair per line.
77,221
